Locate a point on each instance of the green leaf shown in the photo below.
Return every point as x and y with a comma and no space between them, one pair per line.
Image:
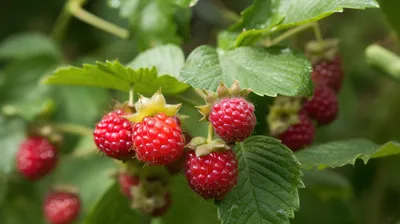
340,153
151,21
186,205
28,45
113,207
90,174
259,22
113,75
327,184
269,176
390,9
185,3
167,59
266,71
11,134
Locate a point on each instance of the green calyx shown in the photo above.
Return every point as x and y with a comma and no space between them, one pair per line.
202,148
322,50
284,113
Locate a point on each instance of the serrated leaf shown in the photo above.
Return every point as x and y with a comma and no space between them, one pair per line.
113,75
284,14
327,184
113,207
167,59
28,45
267,189
340,153
266,71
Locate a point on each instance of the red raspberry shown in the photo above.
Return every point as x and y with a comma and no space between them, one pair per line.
329,73
36,157
233,119
299,135
323,106
158,140
213,175
162,210
61,207
113,136
126,182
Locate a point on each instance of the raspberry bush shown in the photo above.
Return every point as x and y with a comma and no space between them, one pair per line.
138,122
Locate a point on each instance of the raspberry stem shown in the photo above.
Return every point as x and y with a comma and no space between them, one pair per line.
383,59
77,11
288,34
317,32
210,135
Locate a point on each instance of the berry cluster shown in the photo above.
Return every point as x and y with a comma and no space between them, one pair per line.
147,137
293,120
37,157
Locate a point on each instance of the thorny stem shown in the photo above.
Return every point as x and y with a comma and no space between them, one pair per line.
76,10
210,135
317,32
288,34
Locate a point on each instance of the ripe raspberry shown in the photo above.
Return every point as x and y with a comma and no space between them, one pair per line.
213,175
36,157
233,119
158,140
113,136
162,210
126,182
323,106
329,73
61,207
299,135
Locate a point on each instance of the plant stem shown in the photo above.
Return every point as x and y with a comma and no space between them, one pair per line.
317,32
210,135
76,10
73,129
383,59
61,24
288,34
131,101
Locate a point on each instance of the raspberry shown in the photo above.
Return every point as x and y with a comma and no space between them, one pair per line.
36,157
233,119
113,136
158,140
61,207
329,73
323,106
126,182
213,175
299,135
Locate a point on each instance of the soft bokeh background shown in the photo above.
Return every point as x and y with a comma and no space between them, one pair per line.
369,108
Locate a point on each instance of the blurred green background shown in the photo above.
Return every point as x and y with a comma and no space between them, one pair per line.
369,108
